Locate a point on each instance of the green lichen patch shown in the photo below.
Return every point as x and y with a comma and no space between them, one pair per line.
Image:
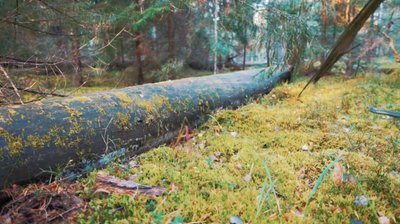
124,98
38,142
122,121
80,99
14,143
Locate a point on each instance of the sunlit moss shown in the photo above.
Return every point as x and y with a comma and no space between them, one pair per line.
297,138
37,141
122,121
125,99
81,99
14,143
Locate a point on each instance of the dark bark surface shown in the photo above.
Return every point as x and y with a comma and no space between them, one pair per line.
51,133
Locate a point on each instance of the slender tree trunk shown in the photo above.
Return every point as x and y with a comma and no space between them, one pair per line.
349,68
324,19
77,79
171,37
138,52
171,41
268,52
370,39
122,53
16,20
216,18
76,52
244,48
139,49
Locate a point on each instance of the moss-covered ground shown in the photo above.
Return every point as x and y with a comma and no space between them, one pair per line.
224,171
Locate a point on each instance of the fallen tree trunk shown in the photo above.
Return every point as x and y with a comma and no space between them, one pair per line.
43,135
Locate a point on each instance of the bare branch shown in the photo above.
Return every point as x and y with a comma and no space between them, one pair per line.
12,84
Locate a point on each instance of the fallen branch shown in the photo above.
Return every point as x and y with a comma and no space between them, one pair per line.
12,84
52,93
343,44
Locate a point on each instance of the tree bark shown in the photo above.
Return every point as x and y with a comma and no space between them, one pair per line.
138,53
171,37
216,18
324,19
51,133
76,52
244,48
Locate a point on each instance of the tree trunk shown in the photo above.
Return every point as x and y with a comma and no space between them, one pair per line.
268,52
244,48
138,53
216,18
171,37
55,132
16,20
122,53
77,80
76,52
324,19
171,41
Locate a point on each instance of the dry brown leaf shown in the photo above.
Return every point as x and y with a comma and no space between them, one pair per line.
337,176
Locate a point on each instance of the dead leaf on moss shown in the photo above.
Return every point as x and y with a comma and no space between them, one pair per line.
337,176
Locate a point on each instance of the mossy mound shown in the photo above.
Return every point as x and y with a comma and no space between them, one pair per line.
224,171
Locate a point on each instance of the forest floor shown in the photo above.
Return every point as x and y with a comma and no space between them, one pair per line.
321,158
261,162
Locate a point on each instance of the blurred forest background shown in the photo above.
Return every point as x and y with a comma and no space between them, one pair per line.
49,46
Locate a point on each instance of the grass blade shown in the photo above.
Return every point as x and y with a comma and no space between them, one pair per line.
321,178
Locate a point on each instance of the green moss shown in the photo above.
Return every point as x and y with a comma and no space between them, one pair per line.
297,139
101,111
37,141
14,143
81,99
73,112
147,105
125,99
12,112
122,121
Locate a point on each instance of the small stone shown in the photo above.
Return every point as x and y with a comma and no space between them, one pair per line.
384,220
394,173
234,134
361,201
212,158
355,221
235,220
347,130
376,127
238,166
305,148
217,154
302,173
202,144
133,163
247,178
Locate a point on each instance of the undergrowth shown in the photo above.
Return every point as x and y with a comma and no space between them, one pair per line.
262,162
